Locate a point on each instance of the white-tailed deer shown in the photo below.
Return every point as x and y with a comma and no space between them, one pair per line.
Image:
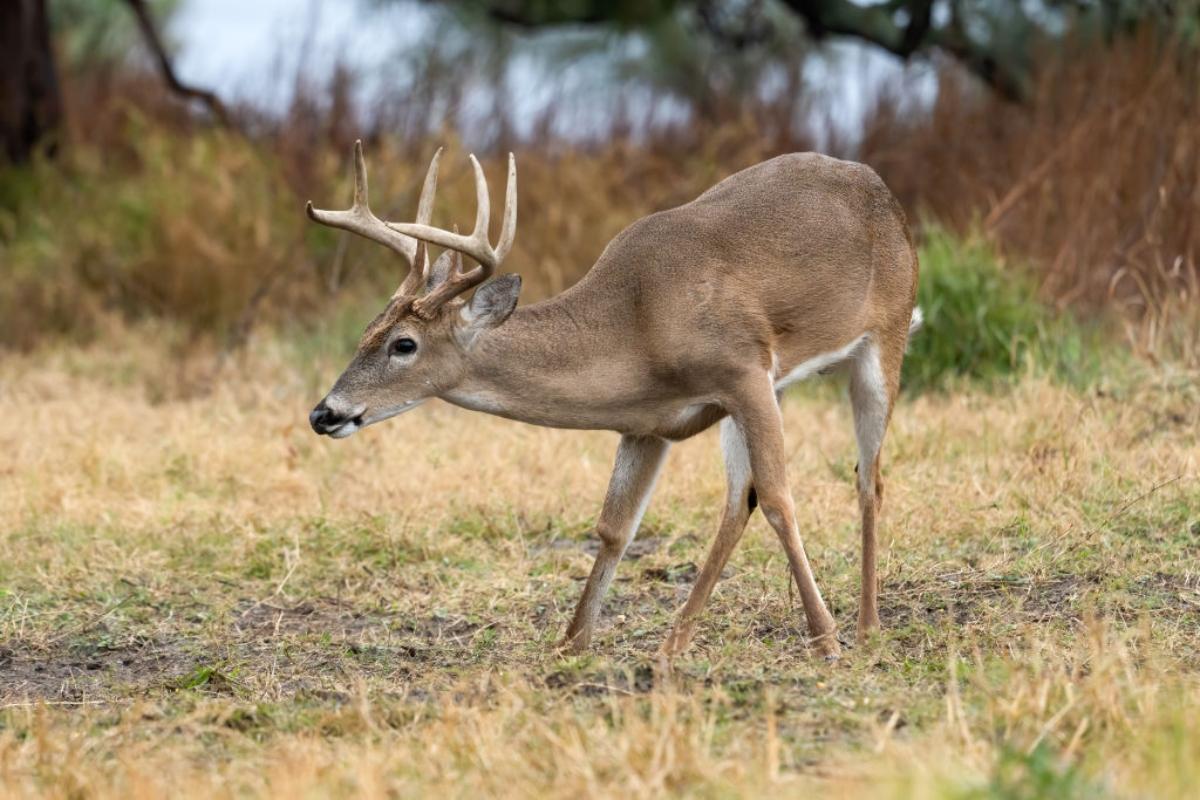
692,316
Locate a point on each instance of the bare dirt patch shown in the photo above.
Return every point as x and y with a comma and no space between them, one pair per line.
87,673
302,647
964,598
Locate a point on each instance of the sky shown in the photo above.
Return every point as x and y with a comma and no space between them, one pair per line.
248,50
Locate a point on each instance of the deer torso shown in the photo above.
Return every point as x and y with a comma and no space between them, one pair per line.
774,267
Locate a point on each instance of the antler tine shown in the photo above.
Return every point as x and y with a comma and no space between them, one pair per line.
476,245
360,177
428,190
508,226
483,207
417,277
360,220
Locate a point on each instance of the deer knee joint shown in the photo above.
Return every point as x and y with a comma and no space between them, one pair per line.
777,509
870,486
611,538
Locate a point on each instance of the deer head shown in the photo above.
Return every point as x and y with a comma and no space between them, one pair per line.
416,348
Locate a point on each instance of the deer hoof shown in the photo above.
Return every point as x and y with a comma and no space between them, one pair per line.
572,644
828,647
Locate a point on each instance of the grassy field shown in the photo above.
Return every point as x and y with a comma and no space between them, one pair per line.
200,597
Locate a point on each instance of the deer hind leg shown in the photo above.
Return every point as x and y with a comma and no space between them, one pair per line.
639,459
762,422
874,381
739,505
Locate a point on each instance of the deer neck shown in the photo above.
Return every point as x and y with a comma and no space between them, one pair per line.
541,365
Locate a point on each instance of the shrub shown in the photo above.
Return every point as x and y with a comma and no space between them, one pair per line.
983,320
189,230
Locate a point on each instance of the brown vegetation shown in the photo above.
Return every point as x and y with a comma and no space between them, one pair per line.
151,214
1095,183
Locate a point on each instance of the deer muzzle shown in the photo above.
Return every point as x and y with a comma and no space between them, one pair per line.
327,421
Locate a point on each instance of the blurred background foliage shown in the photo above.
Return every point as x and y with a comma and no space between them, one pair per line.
99,34
1048,154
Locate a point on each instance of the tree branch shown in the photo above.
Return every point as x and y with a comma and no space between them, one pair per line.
582,12
753,29
154,42
920,18
876,24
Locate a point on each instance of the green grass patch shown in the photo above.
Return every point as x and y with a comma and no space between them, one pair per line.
985,323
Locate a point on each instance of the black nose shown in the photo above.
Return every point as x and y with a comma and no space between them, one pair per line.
323,419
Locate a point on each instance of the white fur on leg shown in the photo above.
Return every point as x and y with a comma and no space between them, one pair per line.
737,458
869,396
624,482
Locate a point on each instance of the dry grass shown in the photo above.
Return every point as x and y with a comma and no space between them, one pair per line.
200,596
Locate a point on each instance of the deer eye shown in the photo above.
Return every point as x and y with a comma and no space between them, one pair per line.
403,347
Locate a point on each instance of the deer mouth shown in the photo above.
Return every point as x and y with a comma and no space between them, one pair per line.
355,424
346,428
393,411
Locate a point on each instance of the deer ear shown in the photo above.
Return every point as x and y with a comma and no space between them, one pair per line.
493,302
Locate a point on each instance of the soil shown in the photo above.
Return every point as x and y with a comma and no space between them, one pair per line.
315,647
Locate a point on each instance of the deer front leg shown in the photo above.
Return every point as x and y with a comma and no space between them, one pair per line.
639,459
758,415
739,505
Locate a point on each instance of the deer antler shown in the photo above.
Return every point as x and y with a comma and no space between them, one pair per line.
476,245
360,220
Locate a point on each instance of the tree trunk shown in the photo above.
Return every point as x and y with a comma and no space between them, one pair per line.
30,103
